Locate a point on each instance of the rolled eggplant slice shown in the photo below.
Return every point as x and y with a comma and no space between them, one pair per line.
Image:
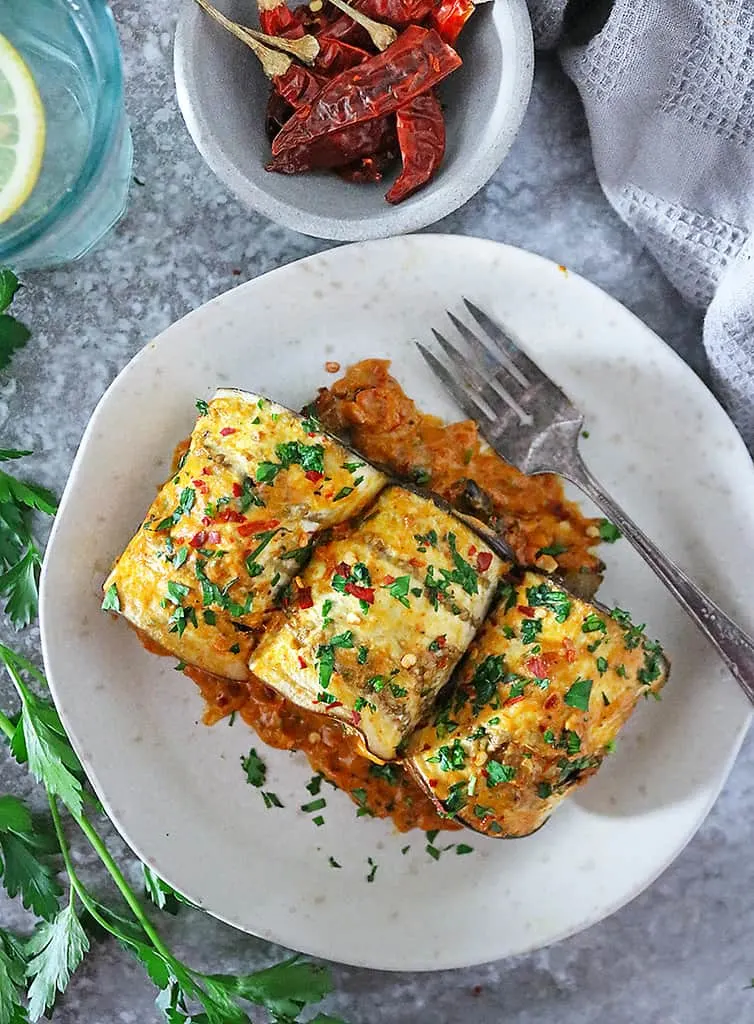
536,706
381,618
231,528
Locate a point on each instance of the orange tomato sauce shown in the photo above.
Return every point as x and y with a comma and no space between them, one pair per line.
369,408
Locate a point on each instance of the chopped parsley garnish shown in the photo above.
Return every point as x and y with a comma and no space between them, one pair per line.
530,628
489,673
426,540
462,848
605,699
398,691
432,851
300,554
343,493
267,471
180,619
621,671
315,784
332,862
252,566
509,633
255,768
363,654
377,683
325,698
177,592
186,501
421,476
545,596
235,648
202,406
552,549
271,800
549,737
209,617
610,747
571,741
311,423
326,609
544,790
361,702
437,644
602,665
623,618
309,456
326,657
387,772
579,694
248,496
353,466
609,532
480,811
571,770
456,799
399,589
450,758
372,871
497,773
314,805
652,668
463,574
111,602
360,796
507,595
593,623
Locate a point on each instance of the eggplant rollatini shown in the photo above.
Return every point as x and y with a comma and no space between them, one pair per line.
382,616
231,527
535,707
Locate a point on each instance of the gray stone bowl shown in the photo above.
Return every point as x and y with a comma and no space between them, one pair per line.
222,94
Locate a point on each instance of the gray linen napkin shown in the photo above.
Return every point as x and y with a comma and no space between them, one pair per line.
668,88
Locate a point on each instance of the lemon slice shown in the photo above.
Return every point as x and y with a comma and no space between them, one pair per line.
22,131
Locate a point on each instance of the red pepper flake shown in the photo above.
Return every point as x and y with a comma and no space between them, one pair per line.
305,598
227,431
387,580
229,515
258,526
314,476
206,471
355,717
441,640
551,701
213,537
570,651
206,521
301,662
237,490
433,783
343,569
363,593
540,665
200,486
472,550
513,700
484,561
527,611
199,539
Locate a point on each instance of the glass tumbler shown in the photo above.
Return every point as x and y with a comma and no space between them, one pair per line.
71,50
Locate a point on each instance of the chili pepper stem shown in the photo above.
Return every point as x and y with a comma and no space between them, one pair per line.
381,35
273,63
306,48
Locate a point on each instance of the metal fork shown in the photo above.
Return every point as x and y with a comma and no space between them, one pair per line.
528,420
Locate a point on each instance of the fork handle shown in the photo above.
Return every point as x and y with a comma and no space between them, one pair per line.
734,646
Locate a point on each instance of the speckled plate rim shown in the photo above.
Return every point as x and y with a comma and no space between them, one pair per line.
445,194
606,820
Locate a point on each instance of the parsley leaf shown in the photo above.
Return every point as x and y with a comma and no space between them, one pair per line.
497,773
12,980
489,673
19,585
578,695
545,596
255,768
399,589
23,861
609,532
160,893
55,949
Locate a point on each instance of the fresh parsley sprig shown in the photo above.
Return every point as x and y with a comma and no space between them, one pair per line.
13,334
35,971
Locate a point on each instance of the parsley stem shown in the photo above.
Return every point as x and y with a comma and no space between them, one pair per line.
97,844
7,726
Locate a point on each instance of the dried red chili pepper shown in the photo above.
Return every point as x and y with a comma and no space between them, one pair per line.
415,63
421,136
449,17
338,149
276,19
298,86
336,56
396,12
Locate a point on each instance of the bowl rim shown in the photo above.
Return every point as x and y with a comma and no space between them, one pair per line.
426,209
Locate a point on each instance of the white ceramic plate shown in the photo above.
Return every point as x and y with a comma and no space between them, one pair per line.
175,788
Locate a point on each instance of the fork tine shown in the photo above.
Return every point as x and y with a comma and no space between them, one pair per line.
493,362
464,399
506,343
492,396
